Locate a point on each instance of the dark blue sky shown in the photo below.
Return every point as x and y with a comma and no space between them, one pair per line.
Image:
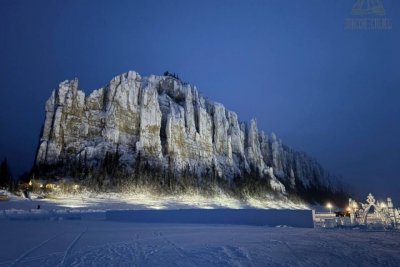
330,92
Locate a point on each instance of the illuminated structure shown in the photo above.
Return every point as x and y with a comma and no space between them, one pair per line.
374,212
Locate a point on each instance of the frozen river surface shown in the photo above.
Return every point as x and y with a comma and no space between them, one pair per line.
93,242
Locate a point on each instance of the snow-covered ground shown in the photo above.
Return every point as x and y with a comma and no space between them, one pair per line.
73,231
104,243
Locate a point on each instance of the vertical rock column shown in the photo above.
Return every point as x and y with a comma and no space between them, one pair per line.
254,155
150,123
63,117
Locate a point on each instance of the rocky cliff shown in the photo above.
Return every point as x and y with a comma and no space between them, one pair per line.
170,126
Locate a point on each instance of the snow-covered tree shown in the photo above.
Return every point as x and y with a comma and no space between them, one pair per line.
5,174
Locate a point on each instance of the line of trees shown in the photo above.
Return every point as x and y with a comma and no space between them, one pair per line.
174,75
110,174
6,178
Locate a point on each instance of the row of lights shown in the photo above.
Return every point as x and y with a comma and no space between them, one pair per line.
50,186
329,206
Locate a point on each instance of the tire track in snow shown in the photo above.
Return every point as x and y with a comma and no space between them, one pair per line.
138,253
126,253
70,247
237,256
180,251
29,251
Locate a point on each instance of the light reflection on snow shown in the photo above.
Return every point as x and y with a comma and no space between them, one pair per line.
144,200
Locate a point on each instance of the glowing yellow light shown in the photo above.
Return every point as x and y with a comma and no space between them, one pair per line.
348,209
329,206
30,182
383,205
355,206
40,185
76,186
50,186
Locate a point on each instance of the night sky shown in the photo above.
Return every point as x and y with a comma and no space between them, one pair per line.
331,92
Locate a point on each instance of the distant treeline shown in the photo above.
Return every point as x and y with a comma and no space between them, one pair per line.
7,181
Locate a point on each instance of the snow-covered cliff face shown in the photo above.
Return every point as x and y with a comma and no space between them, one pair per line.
169,124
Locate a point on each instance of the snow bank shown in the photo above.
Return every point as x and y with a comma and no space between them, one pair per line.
52,215
15,214
257,217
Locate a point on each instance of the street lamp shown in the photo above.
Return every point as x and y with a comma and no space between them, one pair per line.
329,206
